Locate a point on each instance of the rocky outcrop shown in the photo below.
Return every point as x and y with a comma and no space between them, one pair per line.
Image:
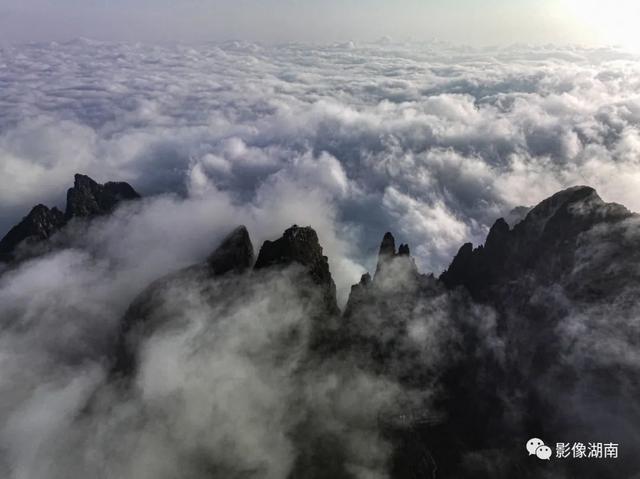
300,245
148,312
86,199
481,353
533,333
388,256
393,300
295,258
38,225
569,260
542,245
235,253
297,245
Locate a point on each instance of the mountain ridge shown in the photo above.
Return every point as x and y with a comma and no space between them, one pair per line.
85,199
481,353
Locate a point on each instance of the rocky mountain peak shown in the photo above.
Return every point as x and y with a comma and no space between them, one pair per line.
474,360
85,199
235,253
389,258
38,225
497,234
88,198
296,245
387,246
550,230
300,245
464,358
574,194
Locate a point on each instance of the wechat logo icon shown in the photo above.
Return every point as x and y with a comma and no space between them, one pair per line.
536,447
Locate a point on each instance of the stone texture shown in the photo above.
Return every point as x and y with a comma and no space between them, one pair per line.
85,199
38,225
300,245
235,253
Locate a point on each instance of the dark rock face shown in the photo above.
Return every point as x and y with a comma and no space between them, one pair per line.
300,245
517,214
148,312
234,254
297,245
488,354
387,255
571,257
85,200
38,225
570,263
290,270
396,270
218,278
88,198
543,244
387,247
533,334
383,330
396,296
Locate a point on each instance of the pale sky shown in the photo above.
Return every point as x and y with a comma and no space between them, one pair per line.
476,22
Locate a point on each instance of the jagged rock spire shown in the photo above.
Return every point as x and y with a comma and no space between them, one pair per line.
297,245
388,254
388,245
357,294
87,198
387,251
38,225
235,253
300,245
551,229
459,271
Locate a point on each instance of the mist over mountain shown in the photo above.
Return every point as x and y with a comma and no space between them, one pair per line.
317,261
242,365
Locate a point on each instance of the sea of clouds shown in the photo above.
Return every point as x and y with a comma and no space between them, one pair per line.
430,141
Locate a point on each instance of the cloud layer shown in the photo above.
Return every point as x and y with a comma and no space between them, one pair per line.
429,141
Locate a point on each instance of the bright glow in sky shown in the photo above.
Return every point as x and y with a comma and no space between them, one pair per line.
613,21
475,22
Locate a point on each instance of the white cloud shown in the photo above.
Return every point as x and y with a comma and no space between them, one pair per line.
429,141
476,131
